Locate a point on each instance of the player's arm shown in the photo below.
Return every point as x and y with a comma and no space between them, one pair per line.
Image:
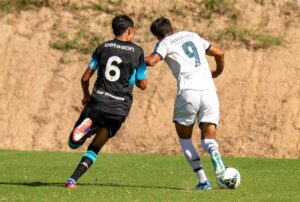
85,79
158,54
141,77
85,82
152,59
218,54
142,84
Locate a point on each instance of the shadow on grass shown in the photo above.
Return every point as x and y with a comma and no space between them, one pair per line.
59,184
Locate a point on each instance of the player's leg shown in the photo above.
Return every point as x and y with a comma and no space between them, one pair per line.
208,120
191,155
89,157
84,128
108,126
210,145
185,111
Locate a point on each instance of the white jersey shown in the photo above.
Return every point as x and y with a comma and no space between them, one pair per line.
184,52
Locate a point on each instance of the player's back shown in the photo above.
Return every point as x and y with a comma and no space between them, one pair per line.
116,63
185,53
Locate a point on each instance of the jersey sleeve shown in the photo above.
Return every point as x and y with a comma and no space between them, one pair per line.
205,44
132,79
139,73
161,49
141,70
94,62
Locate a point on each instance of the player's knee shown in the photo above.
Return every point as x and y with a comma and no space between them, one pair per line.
209,144
208,130
184,132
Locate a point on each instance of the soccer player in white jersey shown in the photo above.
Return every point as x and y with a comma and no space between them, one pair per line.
185,53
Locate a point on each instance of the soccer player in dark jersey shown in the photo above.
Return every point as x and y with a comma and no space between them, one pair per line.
119,64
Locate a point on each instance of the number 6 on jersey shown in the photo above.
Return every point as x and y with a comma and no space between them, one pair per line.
112,72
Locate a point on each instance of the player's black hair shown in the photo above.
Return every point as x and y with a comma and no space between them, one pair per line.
161,27
120,23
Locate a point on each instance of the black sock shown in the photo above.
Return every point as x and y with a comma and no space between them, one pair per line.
82,167
86,162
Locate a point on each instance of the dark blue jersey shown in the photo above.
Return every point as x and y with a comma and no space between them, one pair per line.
119,64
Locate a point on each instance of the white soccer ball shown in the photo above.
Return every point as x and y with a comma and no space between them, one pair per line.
231,179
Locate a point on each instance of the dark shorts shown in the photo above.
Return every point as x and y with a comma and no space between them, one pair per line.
100,120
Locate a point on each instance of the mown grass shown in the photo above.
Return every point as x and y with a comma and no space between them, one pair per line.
39,176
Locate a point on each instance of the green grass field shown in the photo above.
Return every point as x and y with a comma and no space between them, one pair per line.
40,176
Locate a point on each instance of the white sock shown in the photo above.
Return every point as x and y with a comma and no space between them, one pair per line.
212,147
190,153
193,158
209,145
201,176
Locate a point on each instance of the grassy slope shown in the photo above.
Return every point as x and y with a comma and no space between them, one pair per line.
39,176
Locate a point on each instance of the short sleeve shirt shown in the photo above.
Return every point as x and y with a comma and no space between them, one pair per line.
119,64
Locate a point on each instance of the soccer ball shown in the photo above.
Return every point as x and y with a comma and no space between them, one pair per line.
231,179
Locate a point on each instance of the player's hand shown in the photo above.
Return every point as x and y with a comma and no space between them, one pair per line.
85,99
215,74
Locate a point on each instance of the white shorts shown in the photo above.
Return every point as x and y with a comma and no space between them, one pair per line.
192,104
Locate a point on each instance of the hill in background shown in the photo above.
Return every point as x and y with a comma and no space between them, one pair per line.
46,45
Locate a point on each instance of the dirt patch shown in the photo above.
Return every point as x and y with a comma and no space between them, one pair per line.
259,91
